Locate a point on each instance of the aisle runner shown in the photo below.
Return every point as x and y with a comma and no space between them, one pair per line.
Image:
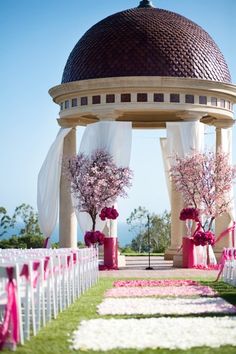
160,282
163,332
194,290
157,306
170,333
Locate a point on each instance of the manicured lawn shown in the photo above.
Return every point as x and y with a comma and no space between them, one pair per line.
53,339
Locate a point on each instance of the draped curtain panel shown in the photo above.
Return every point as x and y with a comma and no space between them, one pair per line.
182,138
49,185
166,163
114,137
226,144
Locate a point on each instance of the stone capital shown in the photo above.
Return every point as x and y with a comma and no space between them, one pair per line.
67,123
190,116
224,123
108,115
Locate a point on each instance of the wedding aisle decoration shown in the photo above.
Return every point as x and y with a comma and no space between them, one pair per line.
205,182
194,290
147,282
165,332
167,306
96,183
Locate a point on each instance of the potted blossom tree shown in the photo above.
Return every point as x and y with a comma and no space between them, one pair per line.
96,182
205,181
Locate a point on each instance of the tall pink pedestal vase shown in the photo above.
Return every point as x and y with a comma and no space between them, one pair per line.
111,253
188,253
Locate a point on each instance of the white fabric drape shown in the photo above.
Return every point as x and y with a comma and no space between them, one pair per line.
200,255
184,137
166,163
49,184
226,145
114,137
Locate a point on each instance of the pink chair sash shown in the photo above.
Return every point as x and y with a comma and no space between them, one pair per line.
227,254
11,317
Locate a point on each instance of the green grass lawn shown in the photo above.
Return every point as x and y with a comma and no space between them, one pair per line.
53,339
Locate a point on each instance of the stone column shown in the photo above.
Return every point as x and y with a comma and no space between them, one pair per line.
110,231
225,220
67,217
178,227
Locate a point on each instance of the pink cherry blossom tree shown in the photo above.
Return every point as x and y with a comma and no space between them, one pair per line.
205,181
96,182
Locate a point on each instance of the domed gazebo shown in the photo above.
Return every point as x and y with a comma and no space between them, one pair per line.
151,67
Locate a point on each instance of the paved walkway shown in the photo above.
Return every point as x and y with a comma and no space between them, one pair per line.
135,268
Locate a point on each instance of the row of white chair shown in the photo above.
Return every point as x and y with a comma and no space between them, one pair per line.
228,261
47,281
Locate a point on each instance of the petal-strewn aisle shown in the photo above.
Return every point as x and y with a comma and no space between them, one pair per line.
166,299
170,333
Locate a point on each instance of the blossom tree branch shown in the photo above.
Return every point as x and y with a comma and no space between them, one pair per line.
205,181
96,181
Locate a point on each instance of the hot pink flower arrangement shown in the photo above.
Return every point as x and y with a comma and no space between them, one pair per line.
94,237
203,238
109,213
189,214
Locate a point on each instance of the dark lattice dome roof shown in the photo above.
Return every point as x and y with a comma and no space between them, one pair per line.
146,42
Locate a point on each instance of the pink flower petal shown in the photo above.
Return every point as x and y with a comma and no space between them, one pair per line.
194,290
164,282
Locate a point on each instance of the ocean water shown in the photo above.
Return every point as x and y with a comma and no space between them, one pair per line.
124,236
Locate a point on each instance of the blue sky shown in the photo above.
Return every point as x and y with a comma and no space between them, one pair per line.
37,37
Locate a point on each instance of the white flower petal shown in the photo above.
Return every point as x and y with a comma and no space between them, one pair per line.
171,333
166,306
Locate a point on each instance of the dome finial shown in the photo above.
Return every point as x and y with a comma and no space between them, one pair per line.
145,3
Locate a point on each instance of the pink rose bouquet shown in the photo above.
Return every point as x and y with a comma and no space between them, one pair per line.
189,214
109,213
203,238
93,237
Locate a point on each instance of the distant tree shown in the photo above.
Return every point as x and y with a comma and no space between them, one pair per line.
159,230
25,241
26,219
5,221
137,223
